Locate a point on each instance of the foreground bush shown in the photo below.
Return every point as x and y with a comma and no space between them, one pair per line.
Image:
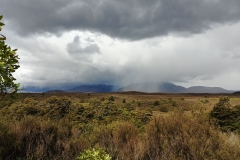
33,138
226,115
94,154
59,128
182,136
177,136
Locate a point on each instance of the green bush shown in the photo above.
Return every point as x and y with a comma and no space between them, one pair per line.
163,109
94,154
139,104
111,98
174,103
156,103
225,115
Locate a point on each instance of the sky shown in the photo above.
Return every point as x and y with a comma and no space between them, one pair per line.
120,42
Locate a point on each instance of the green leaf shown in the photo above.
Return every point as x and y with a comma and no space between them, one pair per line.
12,52
3,37
2,24
1,16
1,64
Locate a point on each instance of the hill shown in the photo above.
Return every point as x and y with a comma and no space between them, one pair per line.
149,87
202,89
55,91
92,88
166,87
238,92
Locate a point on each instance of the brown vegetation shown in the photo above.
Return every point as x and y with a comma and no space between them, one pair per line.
37,126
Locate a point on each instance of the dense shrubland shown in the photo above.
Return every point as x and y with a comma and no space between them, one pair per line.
65,127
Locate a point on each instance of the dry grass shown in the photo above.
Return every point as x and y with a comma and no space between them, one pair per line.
37,126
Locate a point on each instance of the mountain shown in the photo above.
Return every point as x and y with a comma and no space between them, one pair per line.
55,91
202,89
92,88
150,87
237,92
165,87
35,89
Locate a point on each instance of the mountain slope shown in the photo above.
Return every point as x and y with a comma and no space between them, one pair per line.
92,88
202,89
166,87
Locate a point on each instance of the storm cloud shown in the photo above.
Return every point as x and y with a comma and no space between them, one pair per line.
62,43
125,19
76,48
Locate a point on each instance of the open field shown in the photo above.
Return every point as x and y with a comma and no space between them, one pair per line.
127,125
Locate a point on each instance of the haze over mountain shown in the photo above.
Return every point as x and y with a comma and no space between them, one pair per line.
92,88
202,89
149,87
168,87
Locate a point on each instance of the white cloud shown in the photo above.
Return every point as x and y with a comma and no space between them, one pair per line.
210,58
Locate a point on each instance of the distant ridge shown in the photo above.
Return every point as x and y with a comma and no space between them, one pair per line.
92,88
147,87
202,89
167,87
152,87
238,92
55,91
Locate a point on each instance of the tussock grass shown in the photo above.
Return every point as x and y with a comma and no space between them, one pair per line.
61,127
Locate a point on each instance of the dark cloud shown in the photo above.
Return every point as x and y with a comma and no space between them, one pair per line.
127,19
76,48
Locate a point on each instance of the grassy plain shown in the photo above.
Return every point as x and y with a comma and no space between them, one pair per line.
127,125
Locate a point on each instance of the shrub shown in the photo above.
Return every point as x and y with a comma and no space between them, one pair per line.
156,103
111,98
225,115
139,104
184,136
124,101
163,109
94,154
174,103
34,138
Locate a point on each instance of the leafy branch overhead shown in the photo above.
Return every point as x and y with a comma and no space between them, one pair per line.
8,65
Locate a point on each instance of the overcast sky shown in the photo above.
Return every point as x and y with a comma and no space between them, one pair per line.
187,42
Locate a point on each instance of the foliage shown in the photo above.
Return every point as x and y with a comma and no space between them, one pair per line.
226,115
61,127
94,154
8,65
156,103
111,98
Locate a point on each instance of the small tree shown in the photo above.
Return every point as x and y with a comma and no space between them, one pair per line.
156,103
8,65
225,115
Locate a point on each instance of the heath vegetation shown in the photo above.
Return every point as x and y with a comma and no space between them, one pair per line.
78,125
